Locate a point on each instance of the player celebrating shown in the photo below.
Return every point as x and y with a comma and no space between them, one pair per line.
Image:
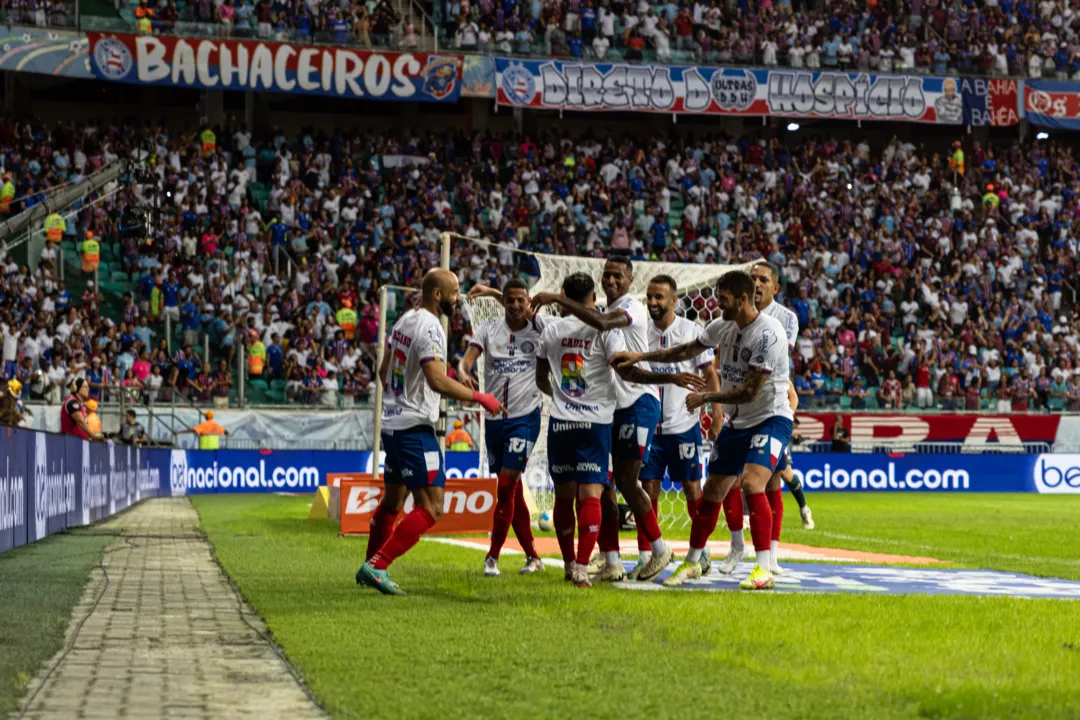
637,413
754,382
677,443
509,345
766,284
584,399
414,370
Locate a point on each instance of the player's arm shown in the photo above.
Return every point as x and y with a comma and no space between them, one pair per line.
384,369
634,374
465,367
543,376
440,382
679,353
479,291
590,316
792,397
747,392
712,385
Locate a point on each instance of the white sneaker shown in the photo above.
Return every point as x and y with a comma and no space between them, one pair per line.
568,571
774,568
610,573
580,576
807,518
734,557
596,562
491,567
532,565
656,565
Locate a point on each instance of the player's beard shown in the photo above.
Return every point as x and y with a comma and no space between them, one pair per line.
446,307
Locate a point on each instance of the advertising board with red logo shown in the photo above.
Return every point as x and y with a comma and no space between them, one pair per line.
973,431
469,505
216,64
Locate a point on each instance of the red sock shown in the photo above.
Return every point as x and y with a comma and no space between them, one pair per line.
382,526
761,521
642,541
563,519
589,519
692,507
704,523
523,522
650,526
776,504
609,527
407,534
733,509
504,515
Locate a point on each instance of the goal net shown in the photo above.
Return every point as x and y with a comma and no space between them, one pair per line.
696,302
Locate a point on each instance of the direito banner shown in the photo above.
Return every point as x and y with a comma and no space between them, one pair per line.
557,85
219,64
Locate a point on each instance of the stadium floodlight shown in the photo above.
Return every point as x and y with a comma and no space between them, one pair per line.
1043,136
792,126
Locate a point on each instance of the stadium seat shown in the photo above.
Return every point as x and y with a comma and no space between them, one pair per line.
258,384
845,402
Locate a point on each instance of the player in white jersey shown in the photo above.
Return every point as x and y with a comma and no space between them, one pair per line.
414,372
584,401
752,355
676,447
636,417
509,347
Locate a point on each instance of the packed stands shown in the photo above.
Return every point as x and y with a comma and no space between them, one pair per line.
919,281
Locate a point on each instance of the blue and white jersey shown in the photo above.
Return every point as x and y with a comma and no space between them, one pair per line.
760,346
675,418
636,338
510,364
408,401
583,381
788,319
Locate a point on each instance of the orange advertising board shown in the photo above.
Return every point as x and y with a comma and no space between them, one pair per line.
469,505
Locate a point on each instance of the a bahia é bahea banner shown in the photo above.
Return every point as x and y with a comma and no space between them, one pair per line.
218,64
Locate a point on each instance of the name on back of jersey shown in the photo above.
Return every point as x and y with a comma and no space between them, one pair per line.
572,342
400,338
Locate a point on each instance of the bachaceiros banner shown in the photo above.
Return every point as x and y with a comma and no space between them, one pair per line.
469,505
213,64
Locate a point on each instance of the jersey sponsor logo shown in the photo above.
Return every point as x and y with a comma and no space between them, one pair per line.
468,505
528,347
557,426
579,467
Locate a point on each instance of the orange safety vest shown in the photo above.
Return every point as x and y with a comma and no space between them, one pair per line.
91,255
255,364
7,195
93,421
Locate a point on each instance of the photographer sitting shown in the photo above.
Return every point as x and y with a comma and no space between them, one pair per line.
132,432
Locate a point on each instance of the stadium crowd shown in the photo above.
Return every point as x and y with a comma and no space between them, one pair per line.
917,282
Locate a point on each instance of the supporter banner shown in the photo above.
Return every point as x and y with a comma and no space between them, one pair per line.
478,76
974,431
217,64
60,53
990,101
1052,103
559,85
468,506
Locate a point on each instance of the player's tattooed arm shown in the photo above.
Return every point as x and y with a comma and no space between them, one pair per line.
590,316
543,376
755,380
479,291
633,374
679,353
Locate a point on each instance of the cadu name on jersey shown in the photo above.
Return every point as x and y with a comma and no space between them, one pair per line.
760,345
510,363
417,338
675,418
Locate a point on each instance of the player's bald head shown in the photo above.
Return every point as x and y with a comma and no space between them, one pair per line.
438,279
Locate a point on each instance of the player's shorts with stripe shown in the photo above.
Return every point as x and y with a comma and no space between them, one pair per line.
678,454
785,462
578,452
413,458
762,444
633,429
510,441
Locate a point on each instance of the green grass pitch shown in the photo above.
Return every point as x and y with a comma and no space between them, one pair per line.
465,646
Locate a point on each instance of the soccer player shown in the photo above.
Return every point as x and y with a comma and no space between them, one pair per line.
754,383
766,284
509,347
637,413
584,398
414,372
676,447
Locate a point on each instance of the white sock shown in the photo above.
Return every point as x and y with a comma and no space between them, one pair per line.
694,555
764,559
737,542
659,547
612,557
644,556
773,546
